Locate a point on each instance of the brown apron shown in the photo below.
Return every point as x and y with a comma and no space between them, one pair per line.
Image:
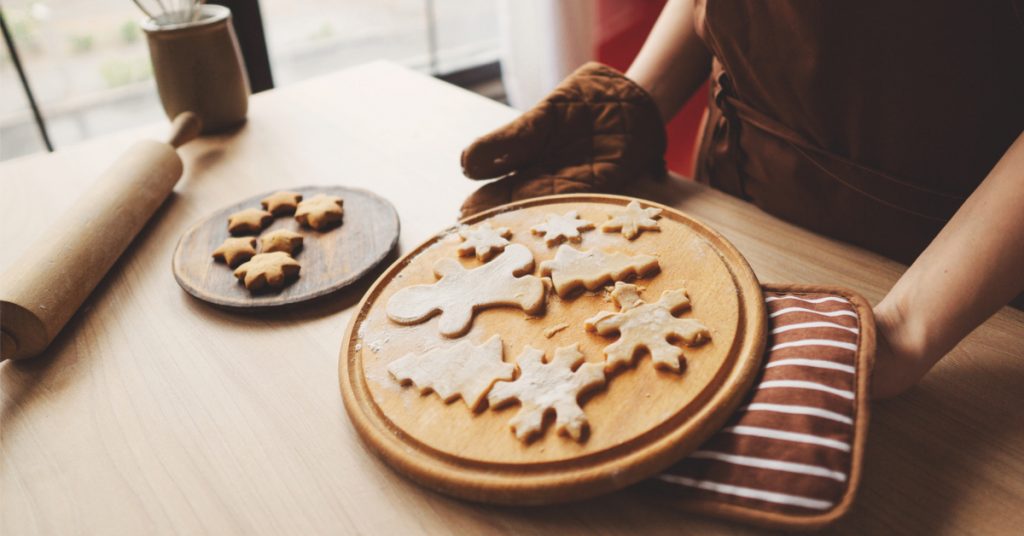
868,121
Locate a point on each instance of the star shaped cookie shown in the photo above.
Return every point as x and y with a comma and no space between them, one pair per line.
268,270
483,240
633,220
248,221
320,211
284,240
281,203
235,251
558,228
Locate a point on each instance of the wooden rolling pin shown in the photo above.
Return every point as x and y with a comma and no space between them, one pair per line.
42,290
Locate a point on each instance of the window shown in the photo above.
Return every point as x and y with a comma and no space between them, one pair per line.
88,65
311,37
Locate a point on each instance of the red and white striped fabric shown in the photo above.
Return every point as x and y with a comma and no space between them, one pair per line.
788,449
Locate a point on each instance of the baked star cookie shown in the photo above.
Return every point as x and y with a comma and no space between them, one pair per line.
268,271
284,240
320,212
235,250
248,221
543,387
281,203
633,220
647,326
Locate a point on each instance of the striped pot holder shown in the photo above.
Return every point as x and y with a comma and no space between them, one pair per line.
790,456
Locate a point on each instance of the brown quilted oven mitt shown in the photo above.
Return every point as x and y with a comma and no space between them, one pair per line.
594,133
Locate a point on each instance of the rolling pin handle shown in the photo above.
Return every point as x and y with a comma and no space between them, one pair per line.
185,127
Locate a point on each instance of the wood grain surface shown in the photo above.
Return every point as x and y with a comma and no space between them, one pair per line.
640,423
153,413
330,259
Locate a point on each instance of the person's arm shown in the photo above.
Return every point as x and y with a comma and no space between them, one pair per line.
972,268
673,62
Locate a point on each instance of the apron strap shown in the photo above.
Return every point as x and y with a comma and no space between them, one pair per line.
875,184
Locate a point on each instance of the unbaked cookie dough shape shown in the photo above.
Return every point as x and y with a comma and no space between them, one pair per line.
648,326
558,228
463,371
459,292
483,240
573,268
633,220
545,387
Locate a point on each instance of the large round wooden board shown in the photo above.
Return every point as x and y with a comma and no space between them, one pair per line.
331,259
642,421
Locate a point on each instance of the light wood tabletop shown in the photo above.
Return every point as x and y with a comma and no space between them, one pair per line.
153,412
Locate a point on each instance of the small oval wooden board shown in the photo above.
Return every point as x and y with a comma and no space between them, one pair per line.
331,259
643,419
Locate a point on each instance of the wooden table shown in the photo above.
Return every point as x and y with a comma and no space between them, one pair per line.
155,413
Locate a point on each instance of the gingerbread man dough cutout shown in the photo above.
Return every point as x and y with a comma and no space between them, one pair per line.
483,241
647,326
572,268
463,370
633,220
543,387
557,229
459,292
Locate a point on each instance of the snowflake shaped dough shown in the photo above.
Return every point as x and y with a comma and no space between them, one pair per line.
572,268
484,241
459,293
558,228
543,387
633,220
461,371
647,326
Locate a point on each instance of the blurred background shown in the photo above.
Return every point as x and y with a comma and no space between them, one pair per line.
87,66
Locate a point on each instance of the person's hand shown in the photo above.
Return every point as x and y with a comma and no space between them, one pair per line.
899,360
596,132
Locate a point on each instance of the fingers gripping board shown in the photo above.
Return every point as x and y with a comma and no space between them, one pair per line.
570,422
